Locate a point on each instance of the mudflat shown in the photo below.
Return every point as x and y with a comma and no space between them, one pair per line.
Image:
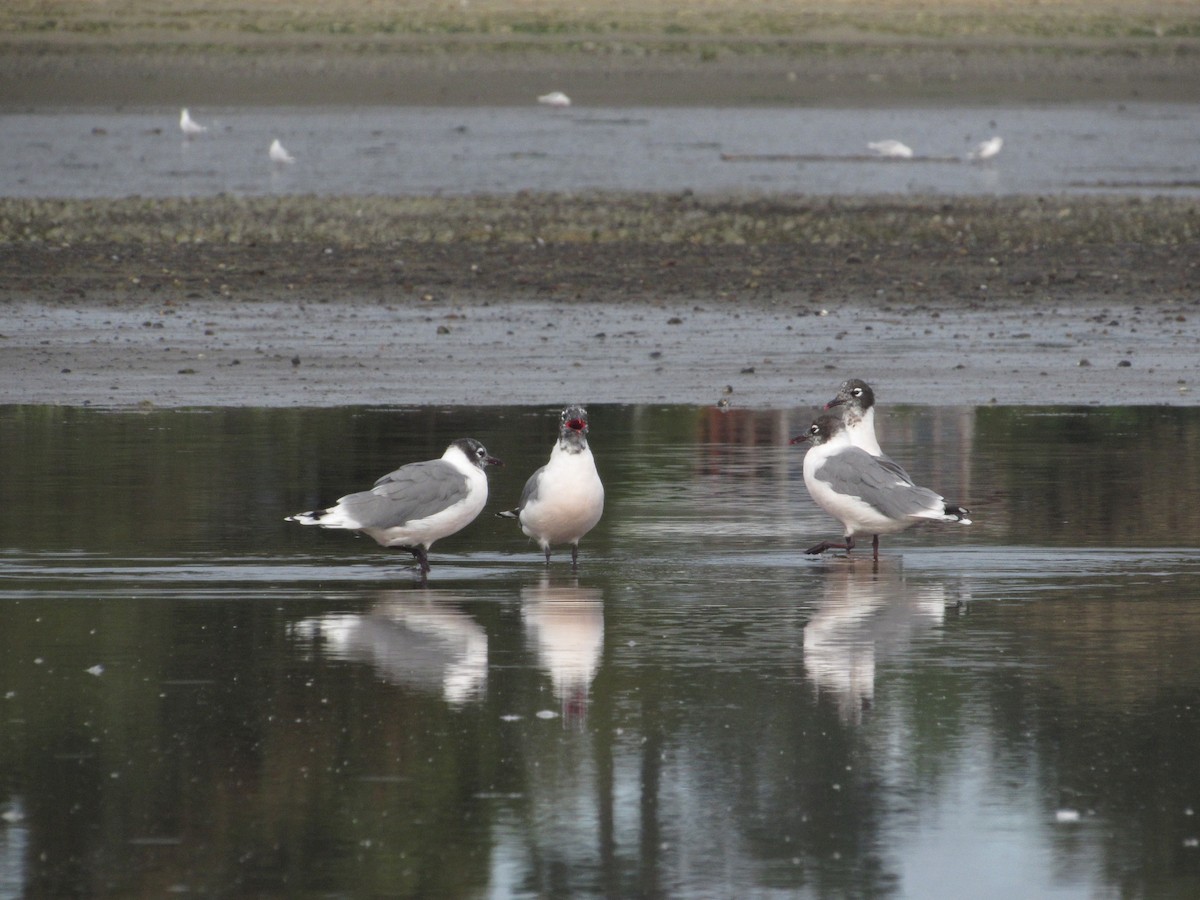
602,298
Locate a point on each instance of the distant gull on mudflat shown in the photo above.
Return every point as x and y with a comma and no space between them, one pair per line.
189,126
891,148
987,149
554,98
279,155
867,494
417,504
564,499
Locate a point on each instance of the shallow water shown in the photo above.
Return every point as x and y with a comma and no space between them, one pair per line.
1138,148
198,697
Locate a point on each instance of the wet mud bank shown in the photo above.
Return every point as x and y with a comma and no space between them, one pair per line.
533,299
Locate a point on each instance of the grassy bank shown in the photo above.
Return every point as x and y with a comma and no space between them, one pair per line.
582,21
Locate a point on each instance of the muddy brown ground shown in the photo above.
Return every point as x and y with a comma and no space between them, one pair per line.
1012,301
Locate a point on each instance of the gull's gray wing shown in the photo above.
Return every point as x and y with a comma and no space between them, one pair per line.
892,466
411,492
530,492
880,483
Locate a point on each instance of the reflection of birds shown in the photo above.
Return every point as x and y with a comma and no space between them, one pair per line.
864,616
189,126
567,623
420,639
891,148
417,504
564,499
554,98
987,149
867,494
279,155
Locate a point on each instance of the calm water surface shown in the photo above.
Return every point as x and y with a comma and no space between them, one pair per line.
1143,148
199,698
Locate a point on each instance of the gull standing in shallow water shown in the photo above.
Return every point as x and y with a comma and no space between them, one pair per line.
987,149
189,126
564,499
417,504
867,494
278,154
891,148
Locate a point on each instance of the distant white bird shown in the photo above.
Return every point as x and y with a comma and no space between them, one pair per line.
278,154
554,98
987,149
189,126
891,148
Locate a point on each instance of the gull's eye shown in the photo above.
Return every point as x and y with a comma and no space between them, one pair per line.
857,392
814,428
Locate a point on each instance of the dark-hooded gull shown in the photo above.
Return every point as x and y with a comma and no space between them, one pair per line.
417,504
867,494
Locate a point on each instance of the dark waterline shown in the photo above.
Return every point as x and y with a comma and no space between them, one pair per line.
201,698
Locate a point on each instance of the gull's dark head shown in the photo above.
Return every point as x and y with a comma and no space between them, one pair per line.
821,430
854,394
476,452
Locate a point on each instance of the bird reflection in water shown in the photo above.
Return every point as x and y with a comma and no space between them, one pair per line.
565,625
868,612
419,639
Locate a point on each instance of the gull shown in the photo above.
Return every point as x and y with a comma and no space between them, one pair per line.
891,148
278,154
417,504
189,126
856,402
564,499
867,494
554,98
987,149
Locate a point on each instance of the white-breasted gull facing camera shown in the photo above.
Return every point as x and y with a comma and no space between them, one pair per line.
564,499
